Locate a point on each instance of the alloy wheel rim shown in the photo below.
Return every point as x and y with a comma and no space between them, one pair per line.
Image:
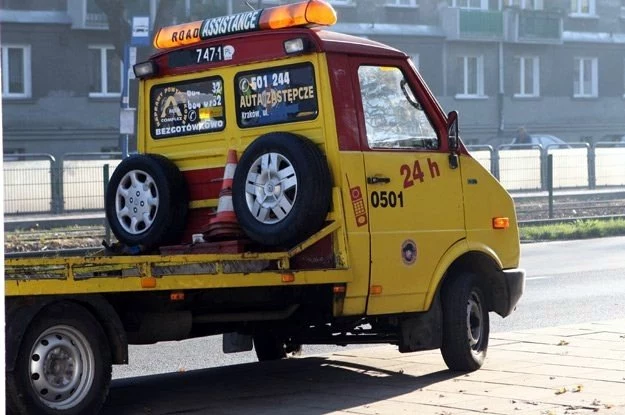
271,188
136,202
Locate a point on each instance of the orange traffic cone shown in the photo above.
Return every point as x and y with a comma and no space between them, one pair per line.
224,225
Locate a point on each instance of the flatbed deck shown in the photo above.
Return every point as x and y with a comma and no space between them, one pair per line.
125,273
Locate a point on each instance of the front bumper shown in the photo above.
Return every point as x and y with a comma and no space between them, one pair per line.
514,284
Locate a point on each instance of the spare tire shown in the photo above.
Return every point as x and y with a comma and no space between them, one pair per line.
281,189
146,202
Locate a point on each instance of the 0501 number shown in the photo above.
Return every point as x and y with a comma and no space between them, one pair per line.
385,199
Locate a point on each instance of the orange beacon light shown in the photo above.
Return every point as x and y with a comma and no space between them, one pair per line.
312,12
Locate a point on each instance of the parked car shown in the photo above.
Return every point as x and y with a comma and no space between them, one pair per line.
544,140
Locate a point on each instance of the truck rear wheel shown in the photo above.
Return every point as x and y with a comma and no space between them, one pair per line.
146,202
466,324
63,366
281,189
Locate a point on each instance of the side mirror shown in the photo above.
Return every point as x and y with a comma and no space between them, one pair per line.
452,130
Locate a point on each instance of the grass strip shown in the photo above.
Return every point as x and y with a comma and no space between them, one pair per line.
580,229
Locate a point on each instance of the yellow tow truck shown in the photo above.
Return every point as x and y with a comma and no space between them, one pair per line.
292,186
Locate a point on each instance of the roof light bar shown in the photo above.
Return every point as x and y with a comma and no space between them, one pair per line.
307,13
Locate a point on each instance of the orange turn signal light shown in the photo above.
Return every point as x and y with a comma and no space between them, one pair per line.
375,290
288,278
148,282
501,223
339,289
176,296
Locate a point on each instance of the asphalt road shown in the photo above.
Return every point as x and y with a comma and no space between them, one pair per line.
567,282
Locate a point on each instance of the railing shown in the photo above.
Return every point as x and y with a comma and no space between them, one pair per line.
37,183
539,25
523,167
481,23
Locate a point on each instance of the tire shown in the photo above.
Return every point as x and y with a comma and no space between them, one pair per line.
281,189
154,214
466,324
63,366
270,347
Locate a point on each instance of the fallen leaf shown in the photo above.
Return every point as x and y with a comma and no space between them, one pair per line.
577,388
561,391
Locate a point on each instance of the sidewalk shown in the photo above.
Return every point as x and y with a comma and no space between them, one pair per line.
577,369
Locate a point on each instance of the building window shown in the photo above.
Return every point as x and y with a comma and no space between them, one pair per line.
402,3
472,75
583,7
105,72
528,79
526,4
469,4
16,75
585,82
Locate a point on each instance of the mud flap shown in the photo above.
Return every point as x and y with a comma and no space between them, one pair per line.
421,331
236,342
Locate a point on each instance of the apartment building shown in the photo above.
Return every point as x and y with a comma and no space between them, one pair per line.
552,66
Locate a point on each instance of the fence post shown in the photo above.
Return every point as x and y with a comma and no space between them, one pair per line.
107,228
495,163
544,168
56,183
550,183
592,172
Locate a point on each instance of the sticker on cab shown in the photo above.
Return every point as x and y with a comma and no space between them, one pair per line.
187,108
409,252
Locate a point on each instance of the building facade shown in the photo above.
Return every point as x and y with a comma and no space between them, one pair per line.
551,66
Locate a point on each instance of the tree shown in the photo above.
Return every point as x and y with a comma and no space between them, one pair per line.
168,12
119,26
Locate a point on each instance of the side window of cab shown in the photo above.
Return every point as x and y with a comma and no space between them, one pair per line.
393,116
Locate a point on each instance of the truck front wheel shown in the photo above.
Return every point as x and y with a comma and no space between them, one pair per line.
466,324
64,364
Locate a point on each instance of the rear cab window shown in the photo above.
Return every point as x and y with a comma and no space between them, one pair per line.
179,109
276,95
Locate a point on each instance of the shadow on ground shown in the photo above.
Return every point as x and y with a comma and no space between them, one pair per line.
312,385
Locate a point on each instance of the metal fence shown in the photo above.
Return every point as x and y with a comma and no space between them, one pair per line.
37,183
523,167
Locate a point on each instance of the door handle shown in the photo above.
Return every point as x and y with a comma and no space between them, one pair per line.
378,179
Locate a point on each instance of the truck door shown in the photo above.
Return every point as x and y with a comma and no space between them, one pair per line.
414,195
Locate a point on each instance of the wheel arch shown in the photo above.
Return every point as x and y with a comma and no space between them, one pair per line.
477,259
21,311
